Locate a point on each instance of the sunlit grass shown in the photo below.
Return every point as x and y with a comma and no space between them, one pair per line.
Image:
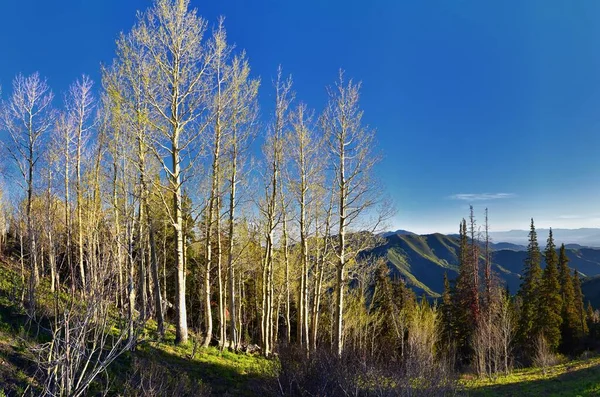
573,378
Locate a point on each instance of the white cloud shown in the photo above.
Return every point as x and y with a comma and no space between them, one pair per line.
482,196
570,217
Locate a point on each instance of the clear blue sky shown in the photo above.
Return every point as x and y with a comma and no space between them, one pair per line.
468,97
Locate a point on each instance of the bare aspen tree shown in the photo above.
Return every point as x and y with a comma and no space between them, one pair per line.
306,156
125,83
51,210
351,146
116,149
270,204
322,238
219,70
242,114
80,103
171,35
64,143
27,116
122,148
286,263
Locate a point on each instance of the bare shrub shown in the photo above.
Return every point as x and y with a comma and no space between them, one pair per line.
324,373
85,341
544,357
148,379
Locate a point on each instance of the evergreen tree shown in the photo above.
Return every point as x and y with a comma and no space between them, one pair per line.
447,315
462,299
550,301
384,304
582,328
529,291
569,311
593,318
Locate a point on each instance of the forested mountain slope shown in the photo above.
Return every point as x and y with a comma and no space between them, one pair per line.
422,261
591,290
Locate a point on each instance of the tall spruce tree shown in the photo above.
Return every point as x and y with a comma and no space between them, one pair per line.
550,301
592,321
529,291
582,328
447,316
462,299
569,310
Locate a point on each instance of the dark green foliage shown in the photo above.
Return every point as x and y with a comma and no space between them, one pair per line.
447,321
569,311
593,322
393,304
582,328
529,292
550,301
462,300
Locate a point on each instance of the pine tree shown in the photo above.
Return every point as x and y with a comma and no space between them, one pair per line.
582,328
569,311
529,291
383,304
462,299
447,317
550,301
593,317
473,262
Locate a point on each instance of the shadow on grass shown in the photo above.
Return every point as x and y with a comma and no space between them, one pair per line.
17,365
224,379
576,382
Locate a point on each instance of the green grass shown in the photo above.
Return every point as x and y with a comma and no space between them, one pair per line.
224,372
574,378
227,373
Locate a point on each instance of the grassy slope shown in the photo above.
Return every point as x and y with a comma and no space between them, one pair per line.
225,373
575,378
241,374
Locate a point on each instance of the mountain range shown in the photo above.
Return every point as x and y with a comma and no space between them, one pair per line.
422,260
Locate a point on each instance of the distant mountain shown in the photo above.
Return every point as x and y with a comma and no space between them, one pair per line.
586,237
508,246
575,246
422,260
398,232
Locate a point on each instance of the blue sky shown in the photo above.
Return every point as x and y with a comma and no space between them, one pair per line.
495,104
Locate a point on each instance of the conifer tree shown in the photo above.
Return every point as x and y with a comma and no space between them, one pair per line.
447,318
593,317
550,301
569,311
532,274
582,328
462,298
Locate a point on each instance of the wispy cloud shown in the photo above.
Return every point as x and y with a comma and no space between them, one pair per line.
482,196
570,217
579,216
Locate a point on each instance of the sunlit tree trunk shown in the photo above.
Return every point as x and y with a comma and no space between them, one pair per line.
27,116
352,159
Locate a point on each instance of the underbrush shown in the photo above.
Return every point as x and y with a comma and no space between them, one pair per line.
323,373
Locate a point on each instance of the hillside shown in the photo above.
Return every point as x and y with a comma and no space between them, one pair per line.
422,260
591,290
160,363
